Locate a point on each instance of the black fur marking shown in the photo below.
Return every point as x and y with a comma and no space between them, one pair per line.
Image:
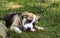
34,24
8,18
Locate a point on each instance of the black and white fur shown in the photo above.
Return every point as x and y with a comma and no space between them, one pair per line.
28,26
8,18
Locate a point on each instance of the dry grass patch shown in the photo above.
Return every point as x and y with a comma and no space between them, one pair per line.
13,5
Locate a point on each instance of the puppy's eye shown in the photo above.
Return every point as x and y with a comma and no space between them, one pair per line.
28,21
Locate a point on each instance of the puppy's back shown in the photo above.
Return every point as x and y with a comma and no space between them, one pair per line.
8,18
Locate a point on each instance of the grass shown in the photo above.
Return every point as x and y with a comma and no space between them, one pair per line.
49,11
0,36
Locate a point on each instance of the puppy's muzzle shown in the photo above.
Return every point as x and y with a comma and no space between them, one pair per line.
28,29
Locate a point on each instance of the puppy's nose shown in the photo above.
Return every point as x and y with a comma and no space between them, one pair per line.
28,28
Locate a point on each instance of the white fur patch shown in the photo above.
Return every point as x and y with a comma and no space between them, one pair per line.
28,25
16,29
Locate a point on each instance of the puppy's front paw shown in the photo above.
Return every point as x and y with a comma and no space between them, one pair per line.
33,30
16,29
39,28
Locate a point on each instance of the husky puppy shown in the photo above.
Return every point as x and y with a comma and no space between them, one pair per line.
24,20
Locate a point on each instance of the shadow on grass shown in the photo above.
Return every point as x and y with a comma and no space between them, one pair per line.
1,36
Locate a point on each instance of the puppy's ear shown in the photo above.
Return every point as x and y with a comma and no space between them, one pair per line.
37,18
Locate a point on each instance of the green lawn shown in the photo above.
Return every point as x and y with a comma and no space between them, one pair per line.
48,10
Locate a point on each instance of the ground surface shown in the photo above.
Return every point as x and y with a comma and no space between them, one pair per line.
48,10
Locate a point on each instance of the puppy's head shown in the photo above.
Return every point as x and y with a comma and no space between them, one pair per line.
28,18
30,15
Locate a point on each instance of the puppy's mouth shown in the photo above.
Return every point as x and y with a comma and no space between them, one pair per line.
31,30
28,29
